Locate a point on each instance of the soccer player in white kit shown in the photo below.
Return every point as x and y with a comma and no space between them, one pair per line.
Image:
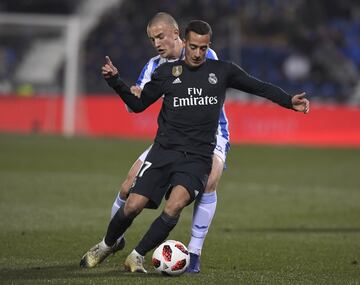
164,35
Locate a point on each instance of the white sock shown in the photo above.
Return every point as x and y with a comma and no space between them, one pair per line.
104,246
118,203
204,211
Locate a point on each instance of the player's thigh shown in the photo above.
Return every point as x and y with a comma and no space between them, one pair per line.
215,174
130,177
178,199
152,181
192,173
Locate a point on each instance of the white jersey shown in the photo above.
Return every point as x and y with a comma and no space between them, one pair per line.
153,63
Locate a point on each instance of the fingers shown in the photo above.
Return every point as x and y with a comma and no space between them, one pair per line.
306,106
108,61
106,68
301,95
136,90
300,103
106,71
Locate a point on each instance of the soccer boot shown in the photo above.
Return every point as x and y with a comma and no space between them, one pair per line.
135,263
194,266
99,252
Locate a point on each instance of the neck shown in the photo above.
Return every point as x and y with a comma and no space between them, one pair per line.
190,66
177,50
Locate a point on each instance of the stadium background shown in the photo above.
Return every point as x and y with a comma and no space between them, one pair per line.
286,214
298,45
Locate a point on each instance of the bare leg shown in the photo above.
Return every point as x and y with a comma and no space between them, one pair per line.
125,187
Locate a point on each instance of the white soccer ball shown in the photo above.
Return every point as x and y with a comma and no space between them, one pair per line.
171,258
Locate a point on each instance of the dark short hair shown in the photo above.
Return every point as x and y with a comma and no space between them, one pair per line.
199,27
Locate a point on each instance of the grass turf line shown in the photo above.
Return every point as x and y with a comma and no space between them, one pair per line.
285,215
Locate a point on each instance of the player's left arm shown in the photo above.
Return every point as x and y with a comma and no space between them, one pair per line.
241,80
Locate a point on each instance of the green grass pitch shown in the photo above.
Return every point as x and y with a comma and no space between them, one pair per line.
285,215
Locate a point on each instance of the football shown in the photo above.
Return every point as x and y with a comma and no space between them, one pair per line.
171,258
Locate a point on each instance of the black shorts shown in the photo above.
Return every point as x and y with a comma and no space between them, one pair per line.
165,168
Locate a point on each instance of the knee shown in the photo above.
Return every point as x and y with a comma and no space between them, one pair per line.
174,208
125,187
132,208
211,185
124,191
214,177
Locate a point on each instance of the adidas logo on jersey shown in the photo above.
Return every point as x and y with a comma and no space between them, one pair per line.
177,81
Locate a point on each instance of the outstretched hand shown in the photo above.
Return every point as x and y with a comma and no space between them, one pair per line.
108,68
300,103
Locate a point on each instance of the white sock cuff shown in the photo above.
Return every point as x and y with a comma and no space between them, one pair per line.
120,201
194,250
208,198
103,245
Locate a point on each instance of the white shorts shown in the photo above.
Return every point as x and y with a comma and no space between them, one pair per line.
221,149
143,156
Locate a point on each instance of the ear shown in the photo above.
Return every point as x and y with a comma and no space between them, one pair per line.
176,34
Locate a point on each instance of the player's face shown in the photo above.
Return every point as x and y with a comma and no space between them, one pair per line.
196,47
163,37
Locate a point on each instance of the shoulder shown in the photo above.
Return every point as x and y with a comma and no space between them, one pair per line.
166,69
148,69
211,54
153,62
166,66
219,63
226,68
157,61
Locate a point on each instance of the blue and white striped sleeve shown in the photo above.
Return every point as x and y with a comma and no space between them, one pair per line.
211,54
223,128
145,75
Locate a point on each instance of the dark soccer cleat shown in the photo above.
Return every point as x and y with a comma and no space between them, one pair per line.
194,266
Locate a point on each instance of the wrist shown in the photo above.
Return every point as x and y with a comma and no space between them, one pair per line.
113,80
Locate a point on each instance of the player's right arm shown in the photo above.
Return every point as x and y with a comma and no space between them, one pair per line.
137,104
